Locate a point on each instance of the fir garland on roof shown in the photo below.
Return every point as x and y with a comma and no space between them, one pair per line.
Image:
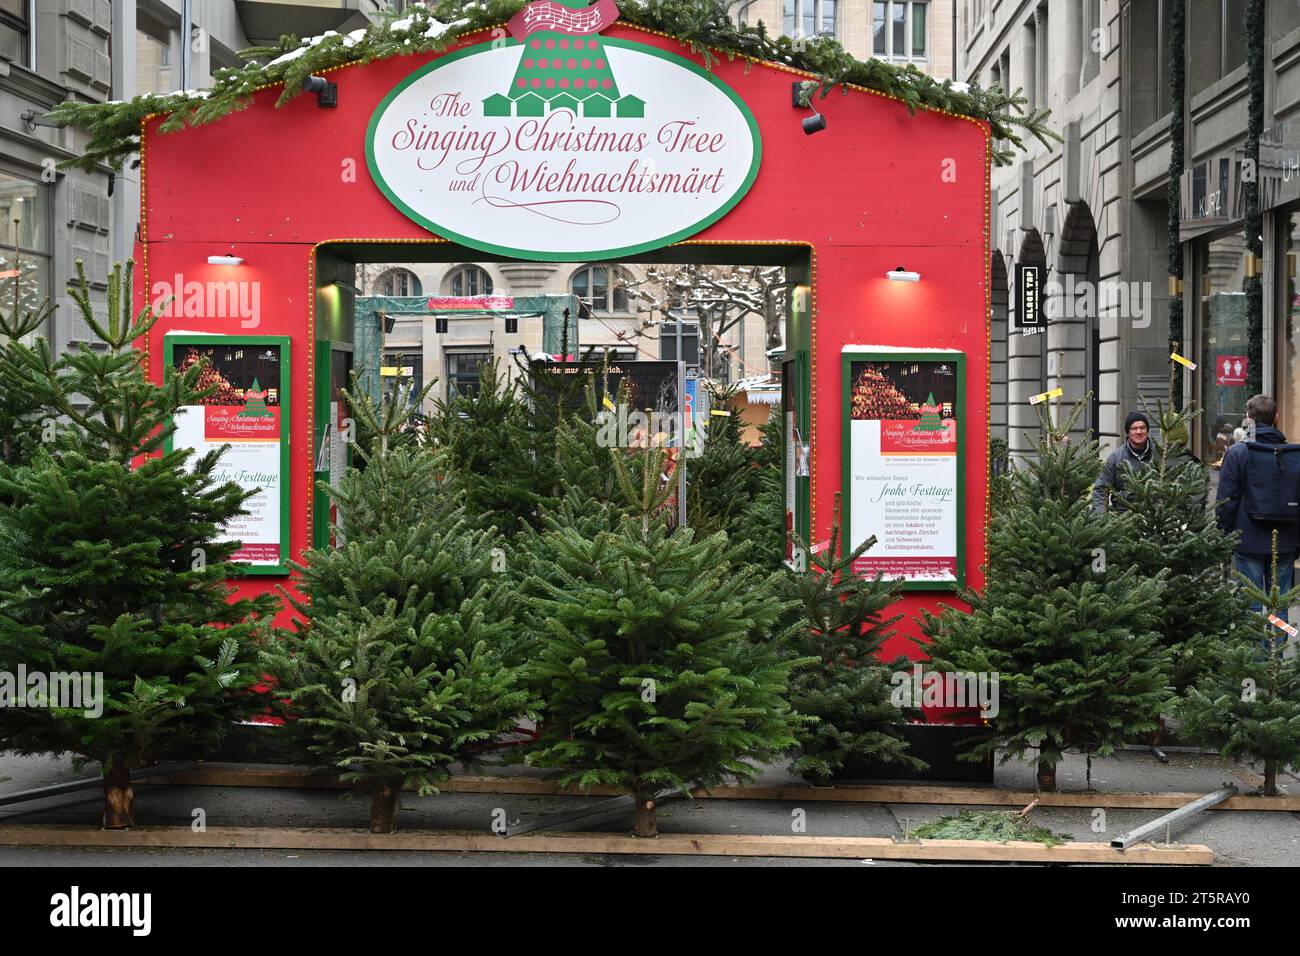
701,25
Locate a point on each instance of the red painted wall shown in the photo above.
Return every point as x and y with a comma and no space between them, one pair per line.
867,194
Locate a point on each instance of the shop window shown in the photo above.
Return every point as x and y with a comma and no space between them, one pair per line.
1041,44
465,372
400,369
1090,34
592,284
1149,95
154,71
898,29
24,223
1288,337
1282,18
808,18
1224,335
399,282
470,280
1031,69
15,31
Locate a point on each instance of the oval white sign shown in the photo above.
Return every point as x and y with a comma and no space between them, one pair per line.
602,149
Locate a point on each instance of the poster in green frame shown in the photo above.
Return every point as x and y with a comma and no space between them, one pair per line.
246,411
904,450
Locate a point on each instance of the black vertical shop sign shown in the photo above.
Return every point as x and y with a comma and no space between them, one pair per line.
1029,298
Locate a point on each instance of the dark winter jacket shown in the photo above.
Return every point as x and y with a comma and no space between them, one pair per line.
1111,478
1229,510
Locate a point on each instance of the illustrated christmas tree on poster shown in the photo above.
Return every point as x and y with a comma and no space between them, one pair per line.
255,403
930,417
563,64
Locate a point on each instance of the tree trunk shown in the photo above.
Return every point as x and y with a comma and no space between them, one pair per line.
1270,778
1046,775
383,809
643,816
119,798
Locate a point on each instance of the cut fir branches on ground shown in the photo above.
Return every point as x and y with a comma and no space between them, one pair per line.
995,826
702,25
400,667
114,569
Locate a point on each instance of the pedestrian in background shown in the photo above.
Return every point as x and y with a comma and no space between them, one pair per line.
1136,452
1242,487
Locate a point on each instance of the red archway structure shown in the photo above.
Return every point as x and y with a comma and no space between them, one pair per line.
283,189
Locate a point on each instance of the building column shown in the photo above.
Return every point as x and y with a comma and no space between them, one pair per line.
125,210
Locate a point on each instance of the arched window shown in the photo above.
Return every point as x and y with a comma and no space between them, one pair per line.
592,285
399,282
470,280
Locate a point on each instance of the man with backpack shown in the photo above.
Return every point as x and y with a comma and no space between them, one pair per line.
1259,492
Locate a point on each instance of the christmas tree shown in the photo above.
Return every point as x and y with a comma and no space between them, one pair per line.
1167,526
487,442
24,418
1074,640
400,667
1249,704
117,570
720,482
763,518
849,690
658,654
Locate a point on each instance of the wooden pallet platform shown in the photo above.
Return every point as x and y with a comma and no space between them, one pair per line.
675,844
237,775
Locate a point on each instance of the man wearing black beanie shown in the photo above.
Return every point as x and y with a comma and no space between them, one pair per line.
1134,453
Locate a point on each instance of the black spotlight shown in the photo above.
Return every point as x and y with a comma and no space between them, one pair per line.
390,322
327,93
440,324
801,92
512,324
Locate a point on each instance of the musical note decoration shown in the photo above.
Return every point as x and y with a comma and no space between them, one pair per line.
563,64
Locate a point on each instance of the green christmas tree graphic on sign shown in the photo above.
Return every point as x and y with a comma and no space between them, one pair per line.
930,419
563,67
255,403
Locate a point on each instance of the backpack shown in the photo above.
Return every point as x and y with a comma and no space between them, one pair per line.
1272,482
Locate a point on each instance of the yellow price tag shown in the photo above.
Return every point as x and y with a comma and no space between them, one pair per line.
716,412
1054,393
1183,361
609,404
